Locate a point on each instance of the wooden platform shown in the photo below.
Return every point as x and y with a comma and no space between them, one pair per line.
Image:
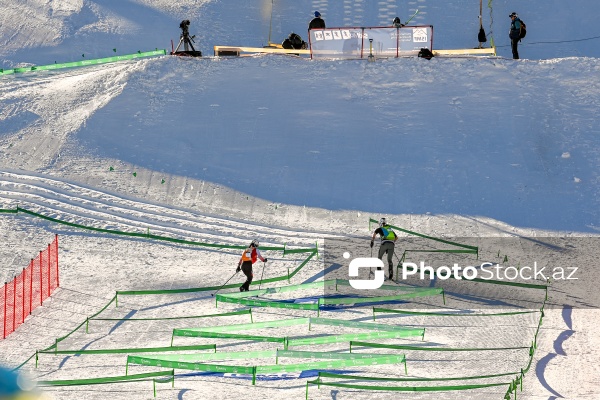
490,51
239,50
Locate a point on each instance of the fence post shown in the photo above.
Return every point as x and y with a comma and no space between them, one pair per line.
49,267
56,253
31,286
41,280
24,274
4,317
14,304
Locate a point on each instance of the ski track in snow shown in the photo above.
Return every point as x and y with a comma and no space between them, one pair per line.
91,207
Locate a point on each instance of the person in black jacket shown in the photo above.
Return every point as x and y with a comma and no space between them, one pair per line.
317,22
396,23
515,34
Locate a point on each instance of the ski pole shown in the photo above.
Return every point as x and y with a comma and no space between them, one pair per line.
261,276
416,12
399,262
370,269
212,294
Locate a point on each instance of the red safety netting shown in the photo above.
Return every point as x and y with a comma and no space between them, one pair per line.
27,291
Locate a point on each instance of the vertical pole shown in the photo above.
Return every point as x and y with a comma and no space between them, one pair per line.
24,275
397,46
270,24
49,267
4,330
56,254
31,286
41,280
480,12
14,304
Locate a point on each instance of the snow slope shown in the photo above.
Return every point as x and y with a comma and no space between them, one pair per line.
287,149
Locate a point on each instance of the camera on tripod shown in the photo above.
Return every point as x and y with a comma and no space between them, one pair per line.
187,41
184,25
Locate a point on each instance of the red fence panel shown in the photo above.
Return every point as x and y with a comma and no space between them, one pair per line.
25,292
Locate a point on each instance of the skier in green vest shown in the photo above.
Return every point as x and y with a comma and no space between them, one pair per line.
388,241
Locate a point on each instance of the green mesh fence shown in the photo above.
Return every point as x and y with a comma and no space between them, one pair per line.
127,350
319,382
441,314
427,348
383,331
249,298
156,377
464,248
147,235
226,314
329,360
83,63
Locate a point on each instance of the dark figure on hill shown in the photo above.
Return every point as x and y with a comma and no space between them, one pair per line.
396,23
317,22
515,34
294,41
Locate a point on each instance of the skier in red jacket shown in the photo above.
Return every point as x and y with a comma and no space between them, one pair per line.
249,257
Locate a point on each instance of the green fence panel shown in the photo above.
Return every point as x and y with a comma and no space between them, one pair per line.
429,348
83,63
475,249
107,379
440,314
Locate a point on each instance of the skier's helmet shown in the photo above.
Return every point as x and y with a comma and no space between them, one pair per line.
396,21
254,243
317,14
382,222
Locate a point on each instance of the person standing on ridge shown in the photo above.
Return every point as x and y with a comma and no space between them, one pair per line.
388,241
515,34
249,257
396,23
317,22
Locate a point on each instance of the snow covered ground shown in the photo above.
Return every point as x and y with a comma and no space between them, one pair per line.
291,151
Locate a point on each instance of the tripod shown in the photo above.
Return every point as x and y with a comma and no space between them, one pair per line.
186,40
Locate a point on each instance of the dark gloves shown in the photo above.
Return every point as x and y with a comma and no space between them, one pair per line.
265,260
238,268
371,244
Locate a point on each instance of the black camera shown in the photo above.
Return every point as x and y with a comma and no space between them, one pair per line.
184,25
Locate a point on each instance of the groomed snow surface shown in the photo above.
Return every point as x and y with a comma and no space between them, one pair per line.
296,152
